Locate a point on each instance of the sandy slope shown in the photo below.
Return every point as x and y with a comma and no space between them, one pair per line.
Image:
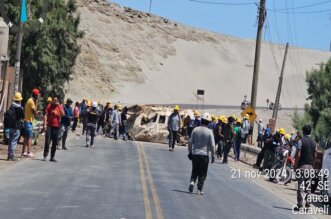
133,57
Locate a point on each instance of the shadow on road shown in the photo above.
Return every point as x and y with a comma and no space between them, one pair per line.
288,209
181,191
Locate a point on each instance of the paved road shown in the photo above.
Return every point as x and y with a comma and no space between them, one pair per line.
128,180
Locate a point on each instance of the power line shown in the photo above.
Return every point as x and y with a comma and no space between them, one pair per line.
223,3
300,12
303,6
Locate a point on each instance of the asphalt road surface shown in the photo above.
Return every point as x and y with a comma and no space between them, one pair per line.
118,179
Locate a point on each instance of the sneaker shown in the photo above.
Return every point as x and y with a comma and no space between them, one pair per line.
25,154
64,148
170,149
44,158
12,158
58,148
191,187
225,162
92,145
30,155
52,159
87,145
200,192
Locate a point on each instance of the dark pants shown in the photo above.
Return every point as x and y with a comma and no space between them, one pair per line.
220,146
75,124
199,169
101,125
236,149
260,157
226,151
90,133
172,138
52,134
269,158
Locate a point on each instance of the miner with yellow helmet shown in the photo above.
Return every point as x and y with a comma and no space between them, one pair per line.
270,148
14,124
197,120
228,135
237,139
174,127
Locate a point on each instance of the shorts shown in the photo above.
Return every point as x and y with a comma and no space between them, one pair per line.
28,129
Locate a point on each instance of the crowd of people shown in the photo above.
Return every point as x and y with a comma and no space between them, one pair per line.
208,135
211,135
58,119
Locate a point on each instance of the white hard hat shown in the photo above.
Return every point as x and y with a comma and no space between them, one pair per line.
94,104
260,120
206,116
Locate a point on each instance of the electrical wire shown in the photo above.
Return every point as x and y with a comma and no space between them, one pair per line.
303,6
223,3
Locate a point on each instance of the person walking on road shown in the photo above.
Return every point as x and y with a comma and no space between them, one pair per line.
116,121
228,134
219,137
13,120
201,144
246,127
76,117
260,130
65,124
124,119
30,111
173,127
92,116
237,139
52,118
304,160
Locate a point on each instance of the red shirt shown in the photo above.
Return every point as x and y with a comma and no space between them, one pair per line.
53,113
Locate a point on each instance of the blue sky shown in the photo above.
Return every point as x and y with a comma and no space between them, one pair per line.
308,26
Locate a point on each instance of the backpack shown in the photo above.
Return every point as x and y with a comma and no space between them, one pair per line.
9,120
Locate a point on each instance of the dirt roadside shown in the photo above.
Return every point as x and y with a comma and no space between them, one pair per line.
4,164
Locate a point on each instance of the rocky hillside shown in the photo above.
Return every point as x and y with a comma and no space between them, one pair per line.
134,57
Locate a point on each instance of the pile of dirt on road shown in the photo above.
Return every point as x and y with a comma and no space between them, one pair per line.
136,57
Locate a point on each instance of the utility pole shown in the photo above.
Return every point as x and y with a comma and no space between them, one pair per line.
262,17
23,19
279,91
150,6
18,57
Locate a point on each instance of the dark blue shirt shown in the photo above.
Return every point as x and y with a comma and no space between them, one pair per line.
68,115
197,122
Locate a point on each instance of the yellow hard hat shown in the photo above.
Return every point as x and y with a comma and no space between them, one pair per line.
108,102
49,99
282,131
246,116
287,136
239,120
177,108
196,113
89,103
225,120
221,117
292,132
18,97
234,116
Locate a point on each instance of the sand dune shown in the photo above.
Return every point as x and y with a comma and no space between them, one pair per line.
133,57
